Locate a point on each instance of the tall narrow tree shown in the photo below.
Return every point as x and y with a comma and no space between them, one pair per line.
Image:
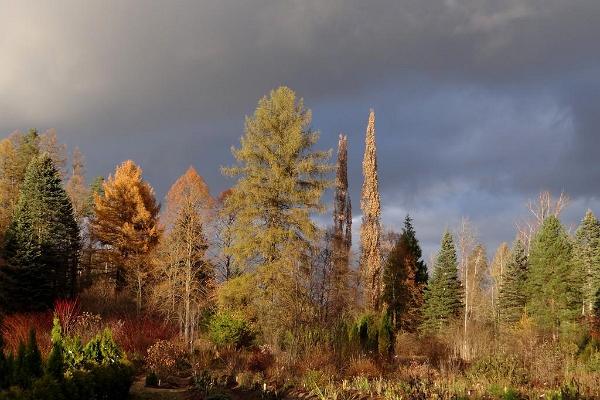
76,187
443,296
498,270
370,230
281,181
587,260
126,220
42,242
342,230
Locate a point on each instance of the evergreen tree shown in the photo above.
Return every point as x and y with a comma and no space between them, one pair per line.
410,237
513,295
42,242
443,296
553,295
402,293
281,181
370,229
587,260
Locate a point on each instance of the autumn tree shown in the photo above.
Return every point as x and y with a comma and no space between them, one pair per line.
189,273
553,293
540,209
280,183
512,296
76,187
586,254
126,220
49,144
497,270
443,296
370,230
42,242
342,230
223,224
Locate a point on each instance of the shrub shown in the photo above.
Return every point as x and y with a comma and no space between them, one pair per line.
103,350
260,359
499,368
151,379
229,330
162,358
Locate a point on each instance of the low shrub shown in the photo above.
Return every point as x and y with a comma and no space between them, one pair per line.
226,329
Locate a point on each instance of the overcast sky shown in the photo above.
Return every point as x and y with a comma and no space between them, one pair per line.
479,104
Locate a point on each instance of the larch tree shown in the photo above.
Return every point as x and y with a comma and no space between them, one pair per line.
370,230
189,208
281,180
126,220
443,295
498,269
223,224
42,242
553,293
342,231
48,143
512,296
587,260
78,191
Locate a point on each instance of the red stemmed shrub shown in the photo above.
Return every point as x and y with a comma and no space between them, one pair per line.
15,329
67,311
136,334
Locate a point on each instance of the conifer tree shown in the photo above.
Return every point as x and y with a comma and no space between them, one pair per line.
587,260
370,230
513,291
281,181
126,220
498,270
42,242
77,189
342,230
553,295
410,237
443,296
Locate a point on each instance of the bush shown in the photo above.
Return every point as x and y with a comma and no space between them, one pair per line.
500,368
227,329
151,379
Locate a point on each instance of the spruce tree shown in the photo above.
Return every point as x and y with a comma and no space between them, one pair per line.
370,229
587,260
410,237
552,283
443,295
42,242
512,297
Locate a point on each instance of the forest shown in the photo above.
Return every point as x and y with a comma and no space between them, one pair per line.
107,292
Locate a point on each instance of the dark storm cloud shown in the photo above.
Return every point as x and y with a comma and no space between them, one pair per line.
480,103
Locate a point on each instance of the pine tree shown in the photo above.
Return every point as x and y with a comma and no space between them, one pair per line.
370,230
126,220
553,295
42,243
342,230
443,296
281,181
513,292
587,260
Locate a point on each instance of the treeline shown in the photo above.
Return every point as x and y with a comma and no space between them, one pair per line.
255,254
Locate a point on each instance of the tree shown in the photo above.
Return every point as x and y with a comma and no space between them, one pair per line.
342,230
552,283
544,207
223,238
281,181
586,253
410,236
188,211
126,220
78,191
443,296
16,152
401,292
512,296
49,144
42,243
370,230
498,270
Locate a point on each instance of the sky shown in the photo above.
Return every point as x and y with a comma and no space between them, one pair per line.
479,104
